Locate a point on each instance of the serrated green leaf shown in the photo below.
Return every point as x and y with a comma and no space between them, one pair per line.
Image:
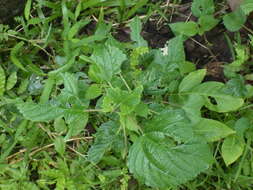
2,81
213,130
23,86
127,101
104,139
192,80
232,148
40,112
235,20
108,60
185,28
11,81
169,153
142,109
93,91
135,34
129,122
78,122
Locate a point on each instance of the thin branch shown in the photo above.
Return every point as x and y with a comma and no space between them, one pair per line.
39,149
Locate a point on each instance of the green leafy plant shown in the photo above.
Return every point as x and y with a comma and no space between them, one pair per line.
87,111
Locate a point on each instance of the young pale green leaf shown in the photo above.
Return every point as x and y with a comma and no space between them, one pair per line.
185,28
129,122
27,9
104,138
202,7
11,81
242,55
93,91
169,153
108,60
136,28
235,20
213,130
232,148
78,10
2,81
60,125
40,112
192,80
60,145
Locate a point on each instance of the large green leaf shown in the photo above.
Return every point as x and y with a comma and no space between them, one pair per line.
108,60
40,112
169,153
215,99
213,130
